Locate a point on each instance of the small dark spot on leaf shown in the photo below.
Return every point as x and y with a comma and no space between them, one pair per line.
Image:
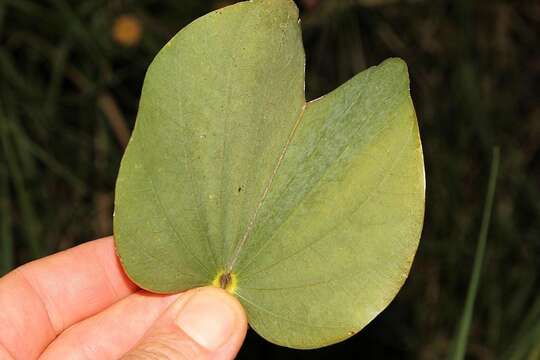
351,333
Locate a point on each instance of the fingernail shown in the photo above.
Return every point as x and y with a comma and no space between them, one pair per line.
209,318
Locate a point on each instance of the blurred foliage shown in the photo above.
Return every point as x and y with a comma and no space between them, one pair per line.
71,72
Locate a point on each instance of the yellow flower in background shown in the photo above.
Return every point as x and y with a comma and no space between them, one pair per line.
127,30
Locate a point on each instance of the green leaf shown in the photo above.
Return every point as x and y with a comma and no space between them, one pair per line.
312,210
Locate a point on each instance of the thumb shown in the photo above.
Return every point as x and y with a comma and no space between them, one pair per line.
204,323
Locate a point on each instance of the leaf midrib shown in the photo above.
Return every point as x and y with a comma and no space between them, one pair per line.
236,253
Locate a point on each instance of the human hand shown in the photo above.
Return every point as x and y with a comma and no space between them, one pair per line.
78,304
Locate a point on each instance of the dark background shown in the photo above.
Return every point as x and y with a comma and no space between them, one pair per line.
70,79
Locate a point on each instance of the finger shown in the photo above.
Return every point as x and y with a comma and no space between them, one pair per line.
48,295
111,333
206,323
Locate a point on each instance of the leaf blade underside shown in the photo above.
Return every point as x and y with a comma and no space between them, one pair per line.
317,207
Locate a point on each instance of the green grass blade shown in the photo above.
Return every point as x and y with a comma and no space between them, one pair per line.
460,341
31,148
23,195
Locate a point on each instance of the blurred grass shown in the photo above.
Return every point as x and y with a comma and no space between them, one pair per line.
68,98
460,341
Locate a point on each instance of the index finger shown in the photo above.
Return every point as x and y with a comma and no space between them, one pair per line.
44,297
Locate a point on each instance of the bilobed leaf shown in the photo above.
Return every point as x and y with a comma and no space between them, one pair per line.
314,209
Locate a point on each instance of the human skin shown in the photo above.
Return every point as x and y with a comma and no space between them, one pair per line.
79,304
